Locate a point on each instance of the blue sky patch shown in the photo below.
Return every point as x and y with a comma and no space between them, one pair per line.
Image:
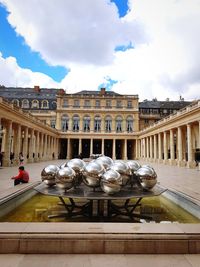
122,6
108,84
14,45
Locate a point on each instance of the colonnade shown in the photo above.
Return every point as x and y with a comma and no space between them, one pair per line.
34,144
175,146
115,148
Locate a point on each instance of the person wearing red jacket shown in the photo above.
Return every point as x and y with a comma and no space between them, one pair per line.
22,177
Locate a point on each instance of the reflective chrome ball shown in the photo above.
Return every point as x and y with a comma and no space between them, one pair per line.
123,169
111,182
147,177
48,174
78,166
133,165
106,161
65,178
92,173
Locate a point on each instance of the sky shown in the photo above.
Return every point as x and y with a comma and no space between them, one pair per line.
144,47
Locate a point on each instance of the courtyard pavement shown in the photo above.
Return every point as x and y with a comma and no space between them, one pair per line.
183,180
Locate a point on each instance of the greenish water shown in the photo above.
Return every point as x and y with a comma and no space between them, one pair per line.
37,209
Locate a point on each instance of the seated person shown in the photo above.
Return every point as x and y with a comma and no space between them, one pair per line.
22,177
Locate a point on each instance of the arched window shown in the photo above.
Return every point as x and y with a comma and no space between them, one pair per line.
54,105
76,122
15,102
97,123
119,124
86,123
45,104
108,124
25,103
35,104
64,123
129,124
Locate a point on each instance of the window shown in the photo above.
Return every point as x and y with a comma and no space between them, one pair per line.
15,102
64,123
129,104
108,124
65,103
108,103
45,104
25,103
97,124
76,103
119,124
86,124
76,122
53,123
119,104
35,103
87,103
54,105
129,124
97,104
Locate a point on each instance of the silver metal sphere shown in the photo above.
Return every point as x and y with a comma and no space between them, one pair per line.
65,178
133,165
106,161
63,165
48,174
123,169
78,166
92,174
111,182
147,177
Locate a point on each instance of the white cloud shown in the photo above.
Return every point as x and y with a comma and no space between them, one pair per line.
12,75
164,63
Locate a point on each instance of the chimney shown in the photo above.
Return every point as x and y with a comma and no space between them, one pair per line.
103,91
36,88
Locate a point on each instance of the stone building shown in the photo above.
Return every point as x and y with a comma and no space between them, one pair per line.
54,124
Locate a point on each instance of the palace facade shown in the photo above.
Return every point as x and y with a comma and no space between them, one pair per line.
48,124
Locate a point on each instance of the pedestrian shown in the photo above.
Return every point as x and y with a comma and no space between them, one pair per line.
1,158
12,156
21,159
22,177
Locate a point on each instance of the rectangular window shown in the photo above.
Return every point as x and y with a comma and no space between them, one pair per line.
97,104
129,104
87,104
119,104
76,103
108,103
65,103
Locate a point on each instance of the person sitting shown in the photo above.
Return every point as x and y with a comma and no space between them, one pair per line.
22,177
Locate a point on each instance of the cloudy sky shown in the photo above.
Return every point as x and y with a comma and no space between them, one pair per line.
144,47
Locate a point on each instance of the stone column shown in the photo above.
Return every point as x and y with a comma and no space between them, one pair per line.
147,139
91,146
155,147
144,147
114,150
159,148
199,134
125,149
17,143
58,121
165,147
45,147
25,144
68,148
180,147
151,148
190,161
8,136
37,139
41,150
80,146
30,159
172,156
102,146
